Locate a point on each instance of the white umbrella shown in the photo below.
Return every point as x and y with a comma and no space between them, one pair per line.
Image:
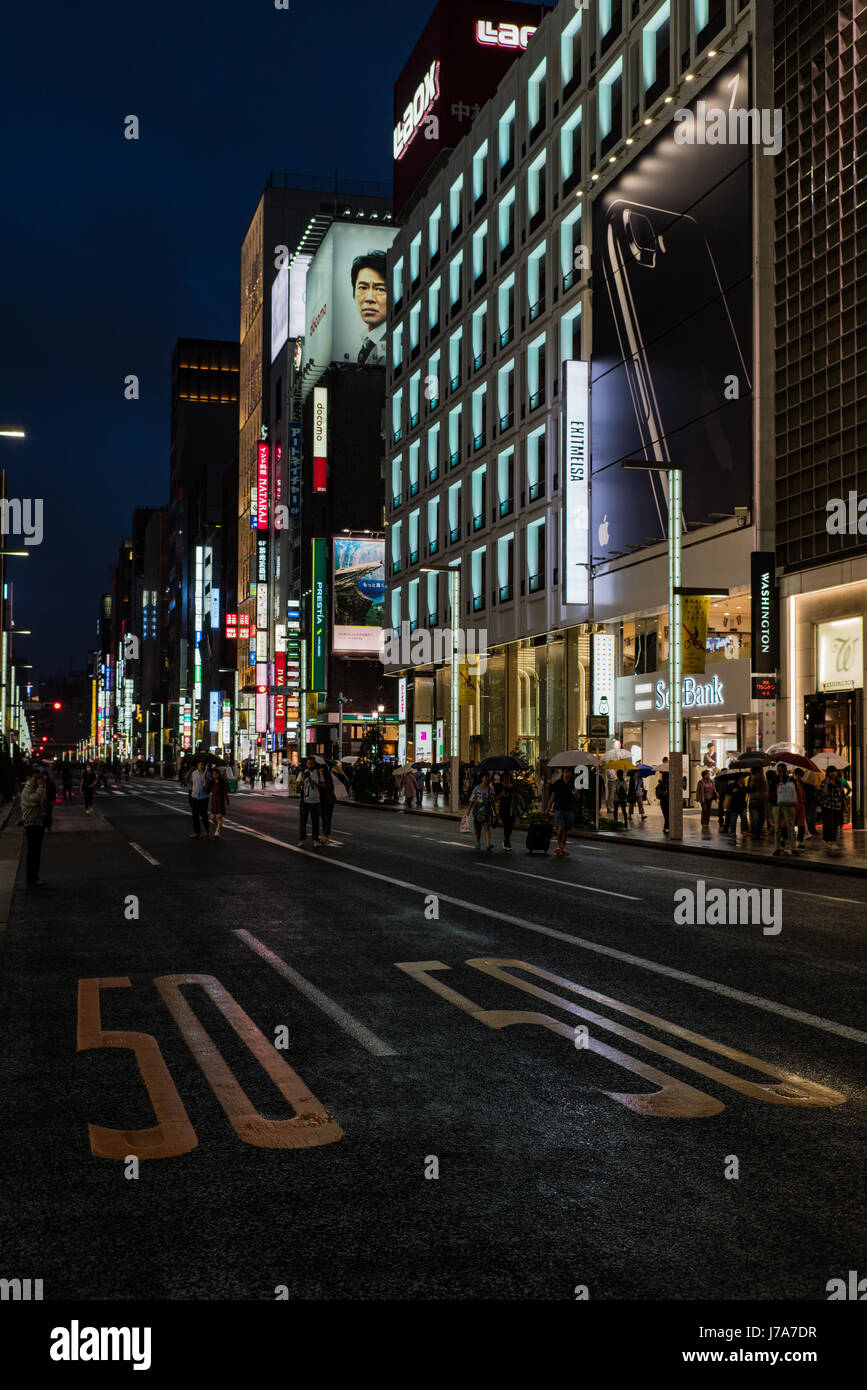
777,748
351,759
574,757
825,760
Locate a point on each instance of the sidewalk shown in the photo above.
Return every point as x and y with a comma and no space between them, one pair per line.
850,859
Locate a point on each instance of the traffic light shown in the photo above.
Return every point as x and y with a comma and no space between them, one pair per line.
57,705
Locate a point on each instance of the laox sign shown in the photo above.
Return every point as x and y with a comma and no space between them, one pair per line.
695,694
426,93
504,35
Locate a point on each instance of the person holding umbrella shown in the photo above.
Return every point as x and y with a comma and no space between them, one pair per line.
832,799
509,807
482,810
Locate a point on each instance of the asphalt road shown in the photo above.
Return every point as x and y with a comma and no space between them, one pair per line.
377,1090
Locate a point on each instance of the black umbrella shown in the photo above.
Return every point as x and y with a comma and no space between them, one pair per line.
504,762
752,760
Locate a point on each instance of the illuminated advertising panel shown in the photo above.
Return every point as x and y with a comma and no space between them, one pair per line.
603,677
317,643
279,311
294,470
261,608
576,502
280,695
261,559
347,297
298,295
672,328
320,439
359,594
262,490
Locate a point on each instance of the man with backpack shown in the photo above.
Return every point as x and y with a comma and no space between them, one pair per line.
310,786
784,800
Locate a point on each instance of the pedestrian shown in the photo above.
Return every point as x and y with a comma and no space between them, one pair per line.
757,797
561,794
419,786
199,799
800,826
509,806
620,796
662,794
737,811
66,781
251,775
33,817
88,787
636,795
310,800
410,788
785,799
435,785
807,829
328,800
707,795
482,810
219,799
263,773
50,799
832,799
610,780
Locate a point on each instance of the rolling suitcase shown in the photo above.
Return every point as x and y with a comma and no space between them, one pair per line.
539,836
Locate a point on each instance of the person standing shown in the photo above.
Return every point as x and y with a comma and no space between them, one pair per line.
832,799
620,796
33,817
800,826
328,802
263,773
635,795
482,810
219,799
310,800
419,786
757,796
66,781
199,799
706,792
435,785
811,806
88,787
662,793
561,796
410,788
785,799
737,809
509,807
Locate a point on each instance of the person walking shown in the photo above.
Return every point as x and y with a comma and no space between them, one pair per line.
88,787
662,794
807,830
410,788
219,803
757,798
561,797
328,801
772,778
310,800
419,786
832,799
785,799
481,809
263,773
509,806
33,817
737,809
435,785
66,781
620,797
706,793
199,795
635,795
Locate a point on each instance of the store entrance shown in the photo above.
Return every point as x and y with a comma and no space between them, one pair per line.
831,724
711,743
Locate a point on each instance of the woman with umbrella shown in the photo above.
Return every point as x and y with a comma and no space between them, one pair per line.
219,797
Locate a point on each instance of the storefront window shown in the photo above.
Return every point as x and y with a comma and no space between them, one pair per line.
492,706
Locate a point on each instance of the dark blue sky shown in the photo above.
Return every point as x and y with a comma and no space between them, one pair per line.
111,249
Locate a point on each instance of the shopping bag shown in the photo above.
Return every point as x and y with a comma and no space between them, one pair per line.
465,824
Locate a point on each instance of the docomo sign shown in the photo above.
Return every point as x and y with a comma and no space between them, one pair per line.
320,439
694,695
262,487
426,93
504,35
576,507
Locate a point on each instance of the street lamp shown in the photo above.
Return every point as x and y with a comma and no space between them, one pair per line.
454,574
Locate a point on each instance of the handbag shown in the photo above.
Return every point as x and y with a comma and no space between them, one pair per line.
786,795
465,824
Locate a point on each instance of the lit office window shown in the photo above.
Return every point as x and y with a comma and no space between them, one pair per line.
570,55
479,485
536,191
434,223
536,556
572,266
397,347
480,336
611,106
432,383
395,546
506,223
610,22
456,193
708,17
480,174
415,324
433,531
432,593
455,359
478,578
570,335
506,481
570,151
433,304
536,112
397,282
480,255
506,395
480,416
505,567
433,453
454,512
506,139
414,394
656,54
412,597
397,414
412,536
415,260
536,465
506,310
396,480
395,605
536,372
536,281
455,279
455,436
412,470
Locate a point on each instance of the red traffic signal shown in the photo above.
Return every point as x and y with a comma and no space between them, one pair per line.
261,690
57,705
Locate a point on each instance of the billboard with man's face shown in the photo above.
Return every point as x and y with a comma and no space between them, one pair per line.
359,594
347,297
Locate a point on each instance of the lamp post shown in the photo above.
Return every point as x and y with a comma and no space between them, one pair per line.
454,574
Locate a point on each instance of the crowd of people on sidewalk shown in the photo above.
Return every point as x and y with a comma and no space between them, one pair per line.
778,802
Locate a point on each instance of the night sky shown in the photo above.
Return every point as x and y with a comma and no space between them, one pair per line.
113,248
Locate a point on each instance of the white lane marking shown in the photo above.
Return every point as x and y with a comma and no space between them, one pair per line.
756,1001
461,844
328,1006
562,882
742,883
144,854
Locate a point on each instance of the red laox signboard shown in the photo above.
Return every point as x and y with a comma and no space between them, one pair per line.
262,488
461,57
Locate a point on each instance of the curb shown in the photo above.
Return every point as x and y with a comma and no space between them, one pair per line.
664,846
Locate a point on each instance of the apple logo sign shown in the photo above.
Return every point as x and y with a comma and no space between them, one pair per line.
603,531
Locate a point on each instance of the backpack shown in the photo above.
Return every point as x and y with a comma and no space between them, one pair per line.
786,794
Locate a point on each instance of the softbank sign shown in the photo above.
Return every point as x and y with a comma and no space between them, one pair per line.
426,93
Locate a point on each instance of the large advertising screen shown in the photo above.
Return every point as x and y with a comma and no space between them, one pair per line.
359,595
347,297
672,327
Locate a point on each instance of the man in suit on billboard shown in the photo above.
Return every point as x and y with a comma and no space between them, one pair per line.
370,289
